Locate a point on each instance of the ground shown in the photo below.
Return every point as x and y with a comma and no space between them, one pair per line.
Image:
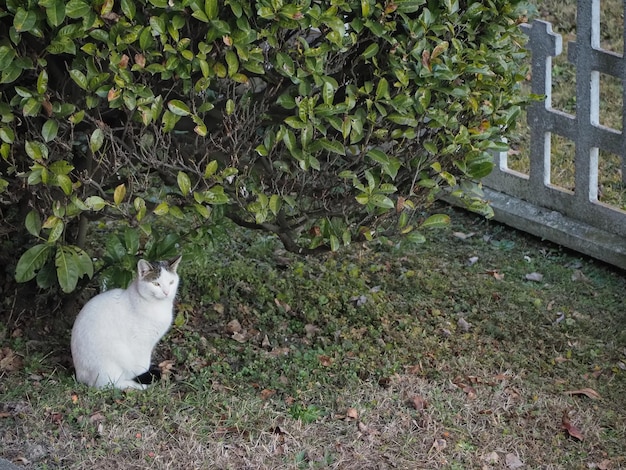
483,348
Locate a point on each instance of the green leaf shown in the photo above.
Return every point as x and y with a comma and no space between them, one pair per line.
371,51
184,183
275,204
211,168
50,130
33,223
56,226
7,135
332,146
42,82
7,55
119,194
95,203
178,108
211,8
436,221
77,9
32,107
169,120
129,9
65,183
83,261
24,20
67,268
36,150
162,209
232,62
79,77
31,262
131,240
55,12
96,140
380,200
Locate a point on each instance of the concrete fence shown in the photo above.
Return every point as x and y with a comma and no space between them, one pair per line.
532,202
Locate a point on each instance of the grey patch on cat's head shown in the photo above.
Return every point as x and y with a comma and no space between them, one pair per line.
151,270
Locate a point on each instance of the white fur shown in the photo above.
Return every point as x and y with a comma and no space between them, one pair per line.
115,333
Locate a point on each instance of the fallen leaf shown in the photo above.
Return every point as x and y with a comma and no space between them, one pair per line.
588,392
325,361
535,277
579,276
359,300
266,342
276,352
9,361
438,445
463,236
604,465
470,391
285,306
97,417
219,308
352,413
491,457
498,276
267,393
239,337
234,326
418,402
513,461
464,325
572,430
311,330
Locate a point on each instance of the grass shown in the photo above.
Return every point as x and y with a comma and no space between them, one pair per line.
562,16
440,356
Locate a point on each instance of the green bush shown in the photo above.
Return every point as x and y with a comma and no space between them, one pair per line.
321,121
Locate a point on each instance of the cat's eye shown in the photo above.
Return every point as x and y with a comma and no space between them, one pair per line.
156,283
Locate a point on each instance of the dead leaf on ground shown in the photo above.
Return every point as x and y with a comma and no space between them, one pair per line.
491,457
234,326
606,464
572,430
352,413
534,277
497,275
513,461
239,337
464,324
9,361
311,330
418,402
267,393
438,445
588,392
284,305
579,276
365,430
463,236
326,361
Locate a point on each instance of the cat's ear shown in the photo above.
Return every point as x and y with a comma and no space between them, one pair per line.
174,262
143,268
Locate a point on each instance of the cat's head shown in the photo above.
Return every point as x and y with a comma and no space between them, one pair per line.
158,280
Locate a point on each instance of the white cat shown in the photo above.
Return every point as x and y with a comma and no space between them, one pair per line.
115,333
